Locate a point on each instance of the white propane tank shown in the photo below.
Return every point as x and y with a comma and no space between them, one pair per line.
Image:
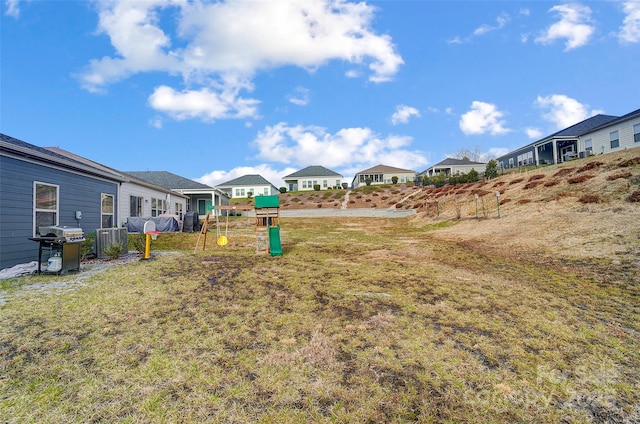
54,264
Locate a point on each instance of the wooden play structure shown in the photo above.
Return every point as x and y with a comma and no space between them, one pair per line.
267,214
267,225
221,239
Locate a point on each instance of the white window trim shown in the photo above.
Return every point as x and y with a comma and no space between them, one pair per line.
103,213
35,210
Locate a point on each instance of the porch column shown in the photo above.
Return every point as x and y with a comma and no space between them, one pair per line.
555,151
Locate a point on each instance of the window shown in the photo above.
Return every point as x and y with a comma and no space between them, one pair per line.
525,158
158,207
106,211
636,133
179,210
304,184
135,205
45,201
324,183
510,162
239,192
615,141
337,183
266,191
588,146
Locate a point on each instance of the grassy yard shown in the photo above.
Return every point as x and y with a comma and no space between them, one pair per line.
361,320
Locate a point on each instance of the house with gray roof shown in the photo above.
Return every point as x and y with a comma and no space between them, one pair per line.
451,166
558,147
248,186
200,196
382,174
305,179
138,198
618,134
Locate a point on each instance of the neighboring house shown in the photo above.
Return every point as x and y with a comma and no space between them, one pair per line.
619,134
382,174
451,166
200,196
306,178
138,198
556,148
252,184
39,187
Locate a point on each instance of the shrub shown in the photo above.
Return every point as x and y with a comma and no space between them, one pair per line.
282,190
532,184
394,180
115,250
589,166
86,246
563,172
367,181
620,175
137,242
295,200
491,171
634,197
630,162
316,187
590,198
579,179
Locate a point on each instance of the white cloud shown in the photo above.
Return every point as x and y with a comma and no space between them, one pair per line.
156,122
274,176
564,111
574,25
533,133
501,21
350,147
299,97
630,30
403,113
483,118
204,104
13,9
218,47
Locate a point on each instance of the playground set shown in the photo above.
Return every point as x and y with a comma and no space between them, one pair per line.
267,213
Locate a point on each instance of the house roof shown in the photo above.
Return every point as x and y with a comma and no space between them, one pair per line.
126,177
246,180
27,150
384,169
585,126
457,162
168,180
629,115
314,171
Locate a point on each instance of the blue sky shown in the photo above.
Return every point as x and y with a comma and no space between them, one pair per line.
215,90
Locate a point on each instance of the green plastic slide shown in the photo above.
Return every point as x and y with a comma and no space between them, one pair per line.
275,248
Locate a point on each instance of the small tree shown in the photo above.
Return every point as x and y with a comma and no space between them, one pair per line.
367,181
282,190
394,180
316,187
491,170
473,176
250,194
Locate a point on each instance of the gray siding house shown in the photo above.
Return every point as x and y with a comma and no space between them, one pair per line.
39,187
